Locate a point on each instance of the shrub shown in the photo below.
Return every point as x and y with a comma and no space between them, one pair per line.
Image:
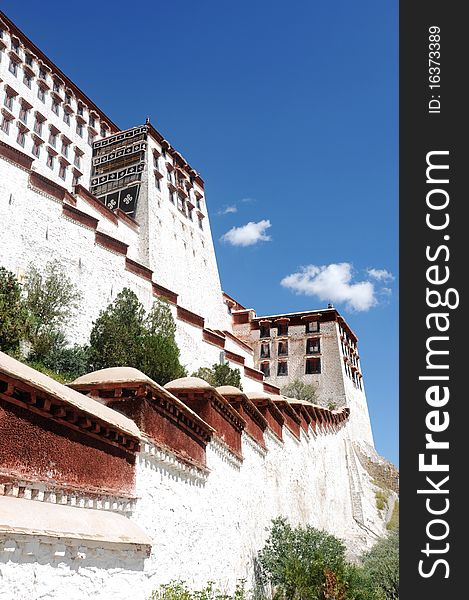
220,374
178,590
381,566
51,300
13,313
123,335
300,390
303,562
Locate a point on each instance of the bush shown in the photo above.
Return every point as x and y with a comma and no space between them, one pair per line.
13,313
51,300
303,562
123,335
220,374
381,566
178,590
300,390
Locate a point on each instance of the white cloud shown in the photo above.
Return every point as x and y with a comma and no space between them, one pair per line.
333,283
380,274
228,210
247,235
248,199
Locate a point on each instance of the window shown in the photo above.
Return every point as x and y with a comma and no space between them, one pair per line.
56,86
5,125
80,109
168,175
156,161
264,330
42,74
283,348
312,327
201,223
265,350
13,68
24,111
28,59
197,202
36,149
55,107
91,138
68,98
53,138
50,161
62,171
282,329
77,159
76,179
80,129
157,183
41,94
313,366
282,368
66,117
38,126
65,146
265,368
15,45
103,132
190,214
171,197
313,346
92,121
8,102
27,79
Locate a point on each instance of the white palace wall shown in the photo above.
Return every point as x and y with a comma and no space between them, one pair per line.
36,230
204,527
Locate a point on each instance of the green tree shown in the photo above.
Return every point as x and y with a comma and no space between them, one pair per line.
381,566
220,374
13,313
303,563
160,353
300,390
117,335
51,300
124,335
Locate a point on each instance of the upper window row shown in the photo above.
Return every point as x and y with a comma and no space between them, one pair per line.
282,328
56,87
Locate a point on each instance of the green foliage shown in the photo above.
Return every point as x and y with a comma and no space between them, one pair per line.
220,374
178,590
123,335
51,300
69,362
300,390
13,313
303,562
117,335
381,566
381,499
60,377
393,524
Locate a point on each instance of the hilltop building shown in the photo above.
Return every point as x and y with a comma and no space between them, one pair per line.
116,482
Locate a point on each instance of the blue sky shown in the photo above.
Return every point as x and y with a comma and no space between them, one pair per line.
290,113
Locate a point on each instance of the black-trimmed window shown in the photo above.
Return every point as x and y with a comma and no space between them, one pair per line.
264,329
8,101
265,368
265,350
50,160
313,366
27,79
282,368
312,327
282,328
13,68
55,107
41,94
282,349
313,346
